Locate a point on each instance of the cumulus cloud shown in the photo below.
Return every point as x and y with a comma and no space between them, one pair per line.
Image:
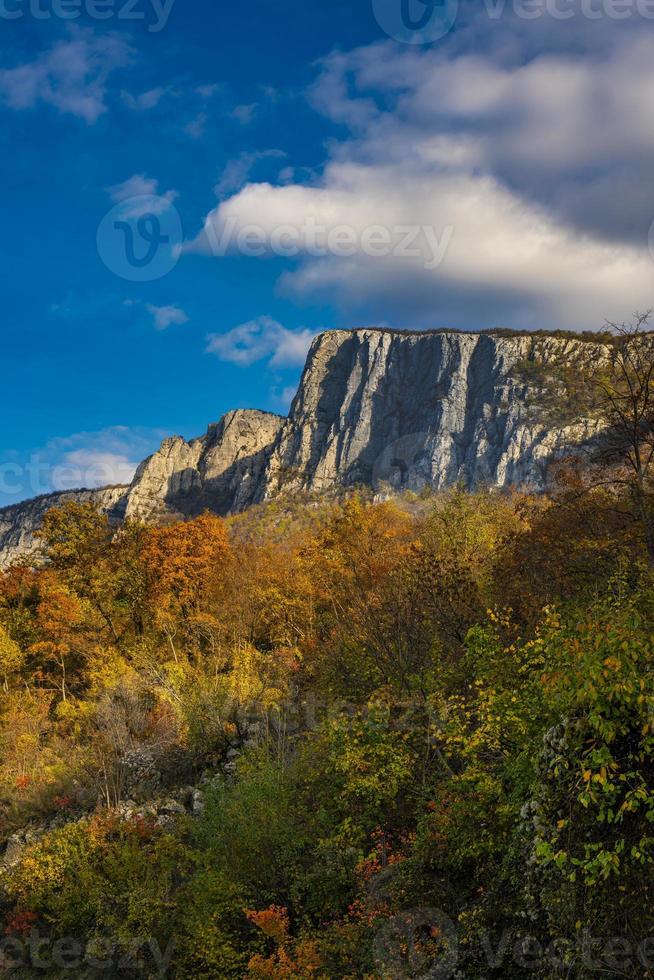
140,194
546,205
491,239
261,339
166,316
92,468
82,460
537,122
96,459
71,75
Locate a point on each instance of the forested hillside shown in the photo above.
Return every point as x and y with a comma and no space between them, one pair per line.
343,737
413,733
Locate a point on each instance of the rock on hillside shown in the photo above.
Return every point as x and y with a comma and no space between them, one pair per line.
385,409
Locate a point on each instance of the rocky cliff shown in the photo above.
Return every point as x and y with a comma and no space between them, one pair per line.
405,411
385,409
223,471
19,523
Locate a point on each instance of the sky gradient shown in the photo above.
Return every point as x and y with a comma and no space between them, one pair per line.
517,148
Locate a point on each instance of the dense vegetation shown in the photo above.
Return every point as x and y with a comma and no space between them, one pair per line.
454,754
418,734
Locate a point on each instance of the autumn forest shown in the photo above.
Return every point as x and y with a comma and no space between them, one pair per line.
340,737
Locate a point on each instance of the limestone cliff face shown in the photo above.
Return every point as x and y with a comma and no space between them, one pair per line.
411,410
385,409
222,471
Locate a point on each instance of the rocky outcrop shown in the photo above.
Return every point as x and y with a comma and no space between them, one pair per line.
188,801
386,409
405,411
223,471
19,523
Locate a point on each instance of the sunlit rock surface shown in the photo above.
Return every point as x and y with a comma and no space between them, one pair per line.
389,410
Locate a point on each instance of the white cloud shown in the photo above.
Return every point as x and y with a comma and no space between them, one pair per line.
511,152
331,94
145,100
166,316
497,241
140,194
134,186
261,339
92,468
207,91
195,128
96,459
245,113
71,75
82,460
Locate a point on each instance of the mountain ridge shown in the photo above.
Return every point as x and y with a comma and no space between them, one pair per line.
388,409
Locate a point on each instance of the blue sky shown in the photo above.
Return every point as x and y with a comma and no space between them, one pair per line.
518,148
